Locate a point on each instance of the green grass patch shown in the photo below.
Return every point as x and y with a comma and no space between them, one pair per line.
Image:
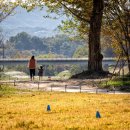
118,83
6,89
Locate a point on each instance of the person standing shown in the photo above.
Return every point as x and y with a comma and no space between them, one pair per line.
40,72
32,67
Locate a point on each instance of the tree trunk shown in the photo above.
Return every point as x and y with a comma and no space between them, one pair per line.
128,61
95,56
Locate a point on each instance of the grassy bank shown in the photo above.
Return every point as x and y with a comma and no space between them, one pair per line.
121,83
69,111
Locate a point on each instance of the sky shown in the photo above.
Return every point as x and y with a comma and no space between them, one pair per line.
31,22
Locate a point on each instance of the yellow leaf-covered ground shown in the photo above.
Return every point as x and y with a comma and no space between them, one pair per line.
69,111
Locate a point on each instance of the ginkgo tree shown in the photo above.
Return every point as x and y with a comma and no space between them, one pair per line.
117,14
87,13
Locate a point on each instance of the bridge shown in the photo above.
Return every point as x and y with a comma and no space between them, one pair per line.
54,61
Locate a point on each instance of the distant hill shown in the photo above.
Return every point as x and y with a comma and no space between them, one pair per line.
31,22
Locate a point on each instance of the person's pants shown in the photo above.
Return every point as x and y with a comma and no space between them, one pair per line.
32,72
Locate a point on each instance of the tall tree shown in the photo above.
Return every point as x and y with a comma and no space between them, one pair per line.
87,13
95,56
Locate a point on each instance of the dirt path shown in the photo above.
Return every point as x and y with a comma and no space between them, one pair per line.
64,86
53,83
73,85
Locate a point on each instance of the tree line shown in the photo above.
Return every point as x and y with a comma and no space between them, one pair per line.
59,44
49,47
